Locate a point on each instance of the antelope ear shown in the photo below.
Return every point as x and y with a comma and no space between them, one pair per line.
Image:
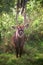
13,27
26,25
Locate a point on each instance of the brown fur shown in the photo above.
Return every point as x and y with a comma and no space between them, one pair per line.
18,43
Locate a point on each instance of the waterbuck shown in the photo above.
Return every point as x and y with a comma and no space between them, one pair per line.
19,39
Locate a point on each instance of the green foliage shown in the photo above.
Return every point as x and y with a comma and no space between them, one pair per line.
20,19
8,3
10,59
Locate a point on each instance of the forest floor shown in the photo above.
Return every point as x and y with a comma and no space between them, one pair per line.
32,55
10,59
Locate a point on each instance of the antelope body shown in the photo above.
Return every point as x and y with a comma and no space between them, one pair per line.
19,40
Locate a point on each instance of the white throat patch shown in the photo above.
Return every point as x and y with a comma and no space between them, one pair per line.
19,35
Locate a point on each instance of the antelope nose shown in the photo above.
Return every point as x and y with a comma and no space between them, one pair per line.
21,32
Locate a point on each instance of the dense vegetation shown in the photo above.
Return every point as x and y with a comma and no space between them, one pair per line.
33,49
